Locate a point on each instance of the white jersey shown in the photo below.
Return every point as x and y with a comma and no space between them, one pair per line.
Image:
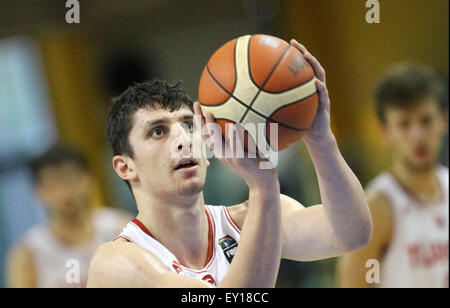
59,265
418,253
223,238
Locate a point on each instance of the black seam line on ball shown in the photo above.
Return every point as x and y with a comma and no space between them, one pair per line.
293,88
218,83
265,81
248,108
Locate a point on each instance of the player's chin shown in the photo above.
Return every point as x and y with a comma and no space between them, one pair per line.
422,165
192,187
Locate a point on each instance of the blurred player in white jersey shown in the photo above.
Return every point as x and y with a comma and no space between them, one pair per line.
57,252
409,202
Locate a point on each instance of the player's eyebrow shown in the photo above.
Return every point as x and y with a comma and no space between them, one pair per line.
155,122
187,117
149,124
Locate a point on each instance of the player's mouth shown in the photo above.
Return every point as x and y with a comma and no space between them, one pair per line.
188,164
421,152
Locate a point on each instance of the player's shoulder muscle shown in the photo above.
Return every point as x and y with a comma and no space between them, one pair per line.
120,264
238,213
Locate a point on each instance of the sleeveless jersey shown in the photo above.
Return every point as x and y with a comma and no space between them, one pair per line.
223,238
418,253
59,265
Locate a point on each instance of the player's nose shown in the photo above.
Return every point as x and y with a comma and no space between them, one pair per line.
419,133
183,137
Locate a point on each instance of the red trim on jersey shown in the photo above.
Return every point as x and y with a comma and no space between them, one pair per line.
230,220
210,238
142,227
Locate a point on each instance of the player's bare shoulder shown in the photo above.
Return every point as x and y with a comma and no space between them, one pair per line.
123,264
238,213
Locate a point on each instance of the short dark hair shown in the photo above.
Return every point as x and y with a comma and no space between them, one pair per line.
154,93
58,154
406,85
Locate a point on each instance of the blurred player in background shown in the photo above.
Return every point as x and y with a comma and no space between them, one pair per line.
409,202
72,231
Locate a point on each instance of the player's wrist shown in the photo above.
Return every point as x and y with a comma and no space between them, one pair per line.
264,186
323,141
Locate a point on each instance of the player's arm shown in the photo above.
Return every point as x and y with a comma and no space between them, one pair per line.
20,270
258,257
351,269
342,223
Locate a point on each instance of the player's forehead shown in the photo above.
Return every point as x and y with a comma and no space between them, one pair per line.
62,169
145,117
423,107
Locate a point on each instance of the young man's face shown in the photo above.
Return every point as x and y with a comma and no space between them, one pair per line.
415,134
160,140
65,189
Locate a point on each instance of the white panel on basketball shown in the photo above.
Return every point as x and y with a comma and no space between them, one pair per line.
245,90
267,103
231,110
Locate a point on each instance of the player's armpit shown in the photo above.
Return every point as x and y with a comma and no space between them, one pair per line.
126,265
21,272
351,268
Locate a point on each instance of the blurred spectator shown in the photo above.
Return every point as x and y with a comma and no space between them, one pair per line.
57,253
409,202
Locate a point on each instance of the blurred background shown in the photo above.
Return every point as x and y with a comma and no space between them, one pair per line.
56,81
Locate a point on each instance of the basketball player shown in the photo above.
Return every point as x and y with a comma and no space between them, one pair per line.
409,202
178,241
57,253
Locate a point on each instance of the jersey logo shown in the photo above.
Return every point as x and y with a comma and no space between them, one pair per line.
229,247
177,266
210,279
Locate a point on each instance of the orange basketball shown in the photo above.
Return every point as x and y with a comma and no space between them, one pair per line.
261,79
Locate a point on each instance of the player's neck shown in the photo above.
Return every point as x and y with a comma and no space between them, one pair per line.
423,186
73,231
182,229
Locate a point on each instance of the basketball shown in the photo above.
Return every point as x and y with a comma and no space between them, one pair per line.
260,79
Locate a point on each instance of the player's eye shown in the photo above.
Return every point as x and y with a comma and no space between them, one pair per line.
189,126
404,124
157,132
426,121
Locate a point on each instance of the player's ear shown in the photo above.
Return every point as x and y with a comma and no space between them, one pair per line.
124,167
